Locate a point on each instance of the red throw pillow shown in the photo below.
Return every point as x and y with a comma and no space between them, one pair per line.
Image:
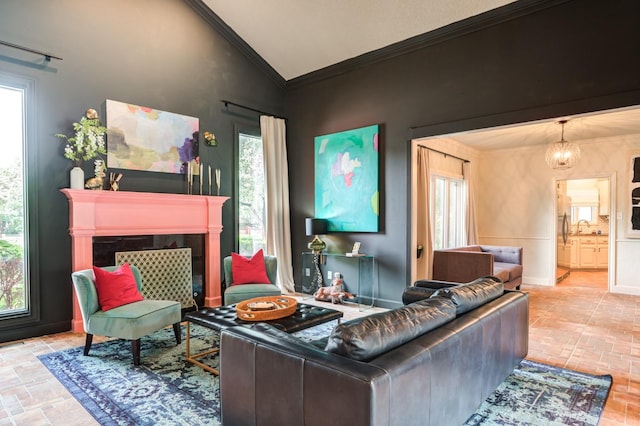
116,288
249,271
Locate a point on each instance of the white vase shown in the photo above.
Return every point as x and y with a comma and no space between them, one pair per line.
76,178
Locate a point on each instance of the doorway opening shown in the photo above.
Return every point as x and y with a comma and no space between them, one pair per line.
583,210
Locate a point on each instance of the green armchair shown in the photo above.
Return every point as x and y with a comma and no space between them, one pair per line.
239,292
131,321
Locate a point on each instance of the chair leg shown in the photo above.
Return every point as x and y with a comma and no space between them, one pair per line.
87,343
177,332
135,350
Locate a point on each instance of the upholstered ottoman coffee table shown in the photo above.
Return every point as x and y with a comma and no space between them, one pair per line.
221,317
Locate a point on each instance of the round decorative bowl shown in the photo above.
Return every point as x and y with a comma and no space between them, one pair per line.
266,308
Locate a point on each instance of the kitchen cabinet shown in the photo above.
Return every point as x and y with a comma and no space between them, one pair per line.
603,194
602,253
575,253
568,255
588,252
593,251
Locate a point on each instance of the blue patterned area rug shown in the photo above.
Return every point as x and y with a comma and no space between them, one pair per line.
539,394
166,390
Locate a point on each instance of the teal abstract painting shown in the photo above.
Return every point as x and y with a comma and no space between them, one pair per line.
346,180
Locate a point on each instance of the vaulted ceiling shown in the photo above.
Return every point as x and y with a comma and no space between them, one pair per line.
296,37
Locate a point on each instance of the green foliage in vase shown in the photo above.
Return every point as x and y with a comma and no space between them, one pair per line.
88,140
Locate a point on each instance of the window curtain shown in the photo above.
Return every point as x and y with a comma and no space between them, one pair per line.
278,226
470,220
423,225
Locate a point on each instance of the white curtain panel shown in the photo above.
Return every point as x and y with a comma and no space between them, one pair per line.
423,228
471,220
277,205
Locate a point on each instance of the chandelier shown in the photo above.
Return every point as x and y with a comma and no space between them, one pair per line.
562,154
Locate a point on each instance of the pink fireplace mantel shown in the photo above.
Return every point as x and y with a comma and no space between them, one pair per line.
109,213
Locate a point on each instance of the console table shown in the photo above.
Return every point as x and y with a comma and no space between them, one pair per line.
359,273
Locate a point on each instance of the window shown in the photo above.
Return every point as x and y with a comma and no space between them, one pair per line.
14,288
588,213
251,195
447,212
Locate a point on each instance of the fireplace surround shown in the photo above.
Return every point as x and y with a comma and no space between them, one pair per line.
119,213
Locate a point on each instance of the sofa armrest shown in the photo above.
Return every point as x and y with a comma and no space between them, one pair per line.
461,266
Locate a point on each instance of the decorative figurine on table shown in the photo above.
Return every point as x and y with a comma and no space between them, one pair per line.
335,293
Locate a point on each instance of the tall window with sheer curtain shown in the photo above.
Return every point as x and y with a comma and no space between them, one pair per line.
448,206
251,195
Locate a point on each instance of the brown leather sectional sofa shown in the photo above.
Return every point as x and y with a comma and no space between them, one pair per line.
430,362
464,264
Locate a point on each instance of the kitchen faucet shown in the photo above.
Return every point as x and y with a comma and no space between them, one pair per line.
578,225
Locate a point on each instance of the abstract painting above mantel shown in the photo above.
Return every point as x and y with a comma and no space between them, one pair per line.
346,180
142,138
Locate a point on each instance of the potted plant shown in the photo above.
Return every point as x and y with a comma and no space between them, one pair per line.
86,144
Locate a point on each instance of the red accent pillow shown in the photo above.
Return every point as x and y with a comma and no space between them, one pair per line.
116,288
249,271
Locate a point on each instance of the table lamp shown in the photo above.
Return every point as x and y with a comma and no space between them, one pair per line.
316,227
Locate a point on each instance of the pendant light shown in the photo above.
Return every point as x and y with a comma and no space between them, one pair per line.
562,154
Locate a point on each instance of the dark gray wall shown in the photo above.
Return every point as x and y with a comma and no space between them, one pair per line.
565,57
156,53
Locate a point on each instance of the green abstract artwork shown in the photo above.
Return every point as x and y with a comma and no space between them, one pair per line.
346,180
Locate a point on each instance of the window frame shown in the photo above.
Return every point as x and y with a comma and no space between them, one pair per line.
459,239
31,314
250,130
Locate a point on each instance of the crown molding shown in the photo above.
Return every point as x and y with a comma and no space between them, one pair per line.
232,37
472,24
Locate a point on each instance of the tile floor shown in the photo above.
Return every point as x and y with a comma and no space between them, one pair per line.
576,324
580,325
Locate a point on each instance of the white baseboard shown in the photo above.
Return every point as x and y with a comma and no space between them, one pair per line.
536,281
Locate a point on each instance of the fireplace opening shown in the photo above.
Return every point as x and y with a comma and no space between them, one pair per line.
105,249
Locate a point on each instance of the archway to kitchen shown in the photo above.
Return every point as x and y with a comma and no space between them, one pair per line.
583,212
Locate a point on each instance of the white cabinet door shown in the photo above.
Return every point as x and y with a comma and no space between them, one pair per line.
602,254
588,250
575,252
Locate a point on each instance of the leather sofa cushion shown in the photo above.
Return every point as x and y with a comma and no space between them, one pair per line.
469,296
365,338
416,294
423,289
